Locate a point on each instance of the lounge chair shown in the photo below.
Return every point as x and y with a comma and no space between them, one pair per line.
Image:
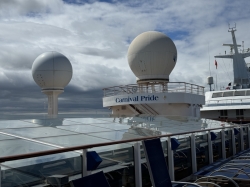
157,165
93,180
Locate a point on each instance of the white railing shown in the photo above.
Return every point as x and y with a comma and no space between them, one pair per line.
228,102
154,88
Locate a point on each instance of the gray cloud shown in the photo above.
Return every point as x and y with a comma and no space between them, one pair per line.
95,37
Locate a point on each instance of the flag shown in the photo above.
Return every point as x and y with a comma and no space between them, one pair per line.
215,63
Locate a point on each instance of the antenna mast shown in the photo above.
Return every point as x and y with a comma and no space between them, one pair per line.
232,29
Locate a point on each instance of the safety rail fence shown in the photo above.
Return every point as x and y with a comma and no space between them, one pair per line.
170,87
228,102
243,136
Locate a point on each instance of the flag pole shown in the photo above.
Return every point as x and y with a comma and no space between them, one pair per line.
209,60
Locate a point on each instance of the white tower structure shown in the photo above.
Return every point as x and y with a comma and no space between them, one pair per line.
152,56
52,71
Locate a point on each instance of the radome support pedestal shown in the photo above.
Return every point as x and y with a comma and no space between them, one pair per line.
52,101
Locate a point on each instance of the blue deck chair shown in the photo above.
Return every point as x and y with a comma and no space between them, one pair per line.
94,180
157,165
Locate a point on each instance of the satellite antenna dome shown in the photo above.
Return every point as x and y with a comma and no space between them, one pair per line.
152,56
52,70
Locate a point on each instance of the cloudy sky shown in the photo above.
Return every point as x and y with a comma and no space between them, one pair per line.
95,36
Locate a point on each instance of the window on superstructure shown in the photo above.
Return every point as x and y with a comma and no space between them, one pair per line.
223,112
240,114
228,94
248,92
218,94
239,93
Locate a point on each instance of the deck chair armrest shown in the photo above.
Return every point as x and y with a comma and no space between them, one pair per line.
186,183
218,176
208,183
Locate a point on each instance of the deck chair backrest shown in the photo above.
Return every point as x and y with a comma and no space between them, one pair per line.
156,162
94,180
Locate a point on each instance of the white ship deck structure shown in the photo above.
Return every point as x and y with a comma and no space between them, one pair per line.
231,104
152,56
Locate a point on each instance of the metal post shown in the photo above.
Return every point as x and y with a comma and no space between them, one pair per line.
0,176
170,160
233,142
193,153
210,148
241,139
248,135
84,163
137,164
223,145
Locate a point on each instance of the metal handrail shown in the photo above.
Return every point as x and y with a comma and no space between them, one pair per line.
67,149
154,88
150,84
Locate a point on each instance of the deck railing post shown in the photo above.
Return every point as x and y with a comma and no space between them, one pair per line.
137,164
223,145
170,160
193,153
233,142
210,148
0,176
248,135
84,163
241,139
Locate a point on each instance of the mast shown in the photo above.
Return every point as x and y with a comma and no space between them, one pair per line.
241,73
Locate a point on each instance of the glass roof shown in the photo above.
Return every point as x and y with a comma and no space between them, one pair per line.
34,133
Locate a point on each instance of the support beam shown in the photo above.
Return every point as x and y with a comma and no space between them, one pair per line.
233,142
241,139
193,153
137,164
170,160
84,163
210,148
223,145
248,135
0,176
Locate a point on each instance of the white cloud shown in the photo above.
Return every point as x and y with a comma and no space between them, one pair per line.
95,37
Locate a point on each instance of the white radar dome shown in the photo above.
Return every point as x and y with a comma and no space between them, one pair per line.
52,70
152,56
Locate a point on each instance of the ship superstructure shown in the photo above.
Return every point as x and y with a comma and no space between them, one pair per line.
231,104
152,56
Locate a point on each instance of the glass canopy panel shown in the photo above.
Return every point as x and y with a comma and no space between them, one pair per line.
52,122
87,120
13,177
83,128
73,140
113,126
111,120
116,135
20,146
4,124
5,137
37,132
